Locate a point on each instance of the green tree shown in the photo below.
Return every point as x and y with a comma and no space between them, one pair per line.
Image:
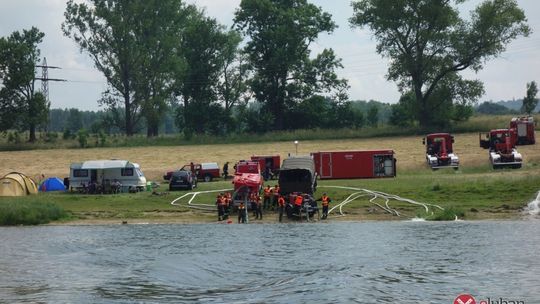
373,116
530,101
74,120
21,105
232,86
158,30
133,43
402,112
204,43
284,73
429,44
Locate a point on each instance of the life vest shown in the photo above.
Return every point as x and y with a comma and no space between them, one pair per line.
241,207
281,202
325,200
298,200
276,191
267,191
220,201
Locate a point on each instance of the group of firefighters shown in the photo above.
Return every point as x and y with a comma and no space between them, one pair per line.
273,201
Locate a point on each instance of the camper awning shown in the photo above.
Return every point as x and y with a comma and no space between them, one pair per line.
104,164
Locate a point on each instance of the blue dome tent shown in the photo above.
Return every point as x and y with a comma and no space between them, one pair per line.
52,184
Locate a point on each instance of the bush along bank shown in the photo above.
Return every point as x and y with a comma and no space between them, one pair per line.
14,213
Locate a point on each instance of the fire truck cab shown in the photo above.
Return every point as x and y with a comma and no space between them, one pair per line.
440,152
501,144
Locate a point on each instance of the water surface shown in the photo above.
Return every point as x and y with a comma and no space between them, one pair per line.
373,262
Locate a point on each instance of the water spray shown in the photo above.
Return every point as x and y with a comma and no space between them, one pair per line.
533,208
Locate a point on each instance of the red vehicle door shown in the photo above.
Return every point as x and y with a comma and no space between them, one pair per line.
326,165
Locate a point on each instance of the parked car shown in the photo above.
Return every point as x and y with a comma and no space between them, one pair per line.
182,180
203,171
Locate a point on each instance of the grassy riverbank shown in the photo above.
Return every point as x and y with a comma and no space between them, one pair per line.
490,195
476,190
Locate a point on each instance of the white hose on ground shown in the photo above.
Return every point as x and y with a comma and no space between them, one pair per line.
360,192
374,196
190,204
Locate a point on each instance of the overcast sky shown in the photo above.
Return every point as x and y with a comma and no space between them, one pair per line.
504,78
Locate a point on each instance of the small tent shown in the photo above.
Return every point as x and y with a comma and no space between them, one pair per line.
52,184
17,184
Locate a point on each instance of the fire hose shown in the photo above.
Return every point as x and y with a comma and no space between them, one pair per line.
352,197
374,196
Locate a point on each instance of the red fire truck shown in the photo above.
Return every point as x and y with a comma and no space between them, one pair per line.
247,179
269,164
439,151
524,128
355,164
501,144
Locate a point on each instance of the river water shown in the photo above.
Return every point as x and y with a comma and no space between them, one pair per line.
345,262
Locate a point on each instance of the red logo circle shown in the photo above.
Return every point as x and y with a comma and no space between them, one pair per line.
465,299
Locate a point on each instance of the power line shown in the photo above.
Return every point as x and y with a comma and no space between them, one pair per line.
45,77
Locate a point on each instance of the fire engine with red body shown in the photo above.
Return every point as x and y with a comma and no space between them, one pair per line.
440,152
247,179
501,144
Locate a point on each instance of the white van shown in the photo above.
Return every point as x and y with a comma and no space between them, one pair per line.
105,173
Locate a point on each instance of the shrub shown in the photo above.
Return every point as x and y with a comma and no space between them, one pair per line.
51,137
29,213
14,137
82,137
448,214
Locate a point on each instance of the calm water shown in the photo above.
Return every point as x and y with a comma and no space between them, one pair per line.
375,262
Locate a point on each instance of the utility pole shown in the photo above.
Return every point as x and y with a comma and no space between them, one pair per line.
45,77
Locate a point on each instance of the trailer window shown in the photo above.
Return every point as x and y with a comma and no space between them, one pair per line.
127,171
383,165
139,173
80,173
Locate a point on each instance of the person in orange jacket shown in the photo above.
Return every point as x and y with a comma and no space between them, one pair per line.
281,207
275,193
253,202
220,203
258,210
298,201
241,213
325,202
228,203
267,197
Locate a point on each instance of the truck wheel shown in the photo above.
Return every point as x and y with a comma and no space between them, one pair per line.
208,178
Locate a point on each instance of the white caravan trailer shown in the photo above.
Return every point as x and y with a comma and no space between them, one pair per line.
106,172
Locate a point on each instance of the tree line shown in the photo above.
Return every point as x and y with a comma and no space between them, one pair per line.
167,56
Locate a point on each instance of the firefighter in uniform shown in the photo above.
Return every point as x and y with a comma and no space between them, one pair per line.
241,213
281,207
267,195
228,203
258,210
325,202
275,193
298,201
253,202
220,202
